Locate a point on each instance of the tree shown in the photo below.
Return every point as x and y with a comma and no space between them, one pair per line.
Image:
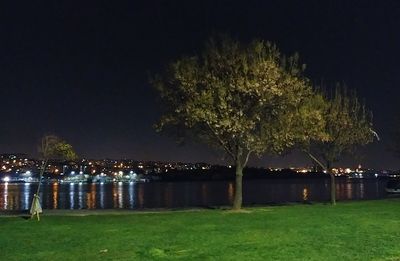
348,125
50,147
244,99
395,137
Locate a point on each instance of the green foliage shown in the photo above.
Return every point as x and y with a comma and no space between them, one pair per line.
348,125
52,147
242,98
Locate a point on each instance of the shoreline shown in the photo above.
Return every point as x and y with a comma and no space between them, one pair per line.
116,212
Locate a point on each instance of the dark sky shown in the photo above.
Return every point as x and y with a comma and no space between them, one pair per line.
80,69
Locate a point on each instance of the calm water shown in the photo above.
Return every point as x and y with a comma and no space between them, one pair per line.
184,194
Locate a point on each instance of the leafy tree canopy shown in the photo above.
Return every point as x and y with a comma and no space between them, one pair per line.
348,124
243,98
52,147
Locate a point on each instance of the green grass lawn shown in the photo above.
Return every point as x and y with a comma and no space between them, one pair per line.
366,230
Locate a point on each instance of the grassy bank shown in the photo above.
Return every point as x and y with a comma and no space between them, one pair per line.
368,230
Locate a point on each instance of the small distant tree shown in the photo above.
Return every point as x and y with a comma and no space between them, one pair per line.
244,99
50,147
348,125
395,137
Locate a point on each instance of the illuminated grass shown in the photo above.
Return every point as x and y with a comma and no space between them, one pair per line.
368,230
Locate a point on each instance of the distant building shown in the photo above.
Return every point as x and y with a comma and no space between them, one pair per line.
13,156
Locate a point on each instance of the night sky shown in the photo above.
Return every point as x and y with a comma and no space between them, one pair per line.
80,69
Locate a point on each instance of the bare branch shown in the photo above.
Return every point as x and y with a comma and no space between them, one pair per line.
316,160
223,144
247,158
375,134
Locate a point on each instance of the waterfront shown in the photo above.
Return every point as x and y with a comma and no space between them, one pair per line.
185,194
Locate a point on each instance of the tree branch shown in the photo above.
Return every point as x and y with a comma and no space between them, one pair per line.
222,143
247,158
44,165
316,160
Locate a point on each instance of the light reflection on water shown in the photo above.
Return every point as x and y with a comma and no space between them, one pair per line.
131,196
72,195
80,197
55,195
102,193
305,194
5,200
183,194
231,191
120,198
140,196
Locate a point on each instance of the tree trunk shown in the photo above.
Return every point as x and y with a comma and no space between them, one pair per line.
36,209
44,165
333,183
333,189
237,201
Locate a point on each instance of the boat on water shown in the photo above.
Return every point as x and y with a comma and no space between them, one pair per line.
393,186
